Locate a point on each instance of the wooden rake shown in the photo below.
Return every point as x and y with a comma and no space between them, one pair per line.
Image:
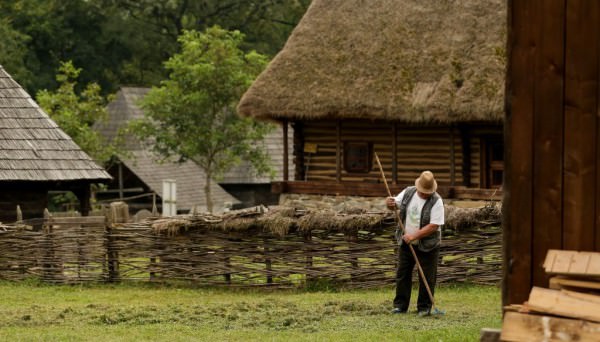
434,310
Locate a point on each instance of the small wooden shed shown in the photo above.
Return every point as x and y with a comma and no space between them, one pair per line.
36,157
420,83
552,187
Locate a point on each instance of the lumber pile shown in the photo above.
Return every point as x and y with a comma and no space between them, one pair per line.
569,310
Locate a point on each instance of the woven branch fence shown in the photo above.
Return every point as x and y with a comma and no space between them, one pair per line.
280,247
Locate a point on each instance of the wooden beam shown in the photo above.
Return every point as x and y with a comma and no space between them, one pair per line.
299,172
581,90
573,263
394,153
522,327
565,303
517,203
120,172
558,283
285,150
83,195
465,138
548,133
452,158
338,151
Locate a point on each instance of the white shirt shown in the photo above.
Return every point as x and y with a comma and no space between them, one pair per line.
413,212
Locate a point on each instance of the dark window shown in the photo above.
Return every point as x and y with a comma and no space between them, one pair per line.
494,163
358,157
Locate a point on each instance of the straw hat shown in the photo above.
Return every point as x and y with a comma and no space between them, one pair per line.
426,183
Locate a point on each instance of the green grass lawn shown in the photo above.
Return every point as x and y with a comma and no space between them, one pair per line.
33,312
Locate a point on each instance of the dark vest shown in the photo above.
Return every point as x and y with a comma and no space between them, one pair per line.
432,241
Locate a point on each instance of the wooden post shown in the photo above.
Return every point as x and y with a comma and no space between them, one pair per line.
395,153
268,262
227,275
20,214
83,195
308,254
465,139
285,151
120,170
452,158
338,151
353,239
298,147
112,255
48,266
154,209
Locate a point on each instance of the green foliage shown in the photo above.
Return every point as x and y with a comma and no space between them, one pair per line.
192,114
65,30
13,52
118,42
76,113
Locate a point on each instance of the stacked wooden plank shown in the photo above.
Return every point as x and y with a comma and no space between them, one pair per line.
569,310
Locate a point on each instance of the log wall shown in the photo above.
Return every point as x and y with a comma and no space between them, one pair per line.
417,149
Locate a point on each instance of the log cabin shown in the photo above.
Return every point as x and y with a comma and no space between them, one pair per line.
36,157
419,83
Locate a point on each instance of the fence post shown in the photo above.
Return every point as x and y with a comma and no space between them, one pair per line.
20,214
48,263
113,215
352,238
268,262
307,237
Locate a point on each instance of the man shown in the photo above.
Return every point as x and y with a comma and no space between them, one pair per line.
422,212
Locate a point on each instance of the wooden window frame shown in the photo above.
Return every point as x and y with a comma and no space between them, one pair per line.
489,166
368,158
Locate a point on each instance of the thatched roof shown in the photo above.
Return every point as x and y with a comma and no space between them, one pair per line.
33,147
148,168
404,60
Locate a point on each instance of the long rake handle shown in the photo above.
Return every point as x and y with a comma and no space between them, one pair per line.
412,250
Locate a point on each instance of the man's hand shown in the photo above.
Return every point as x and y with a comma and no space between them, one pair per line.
408,238
391,203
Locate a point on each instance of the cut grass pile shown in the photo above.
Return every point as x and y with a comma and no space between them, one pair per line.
33,312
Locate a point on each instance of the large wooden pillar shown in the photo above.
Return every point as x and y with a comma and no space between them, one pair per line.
83,194
552,140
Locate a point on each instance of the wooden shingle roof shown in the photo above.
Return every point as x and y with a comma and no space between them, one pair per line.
33,147
190,180
148,168
273,145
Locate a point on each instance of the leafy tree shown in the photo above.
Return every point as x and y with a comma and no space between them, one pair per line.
65,30
149,28
13,52
76,113
192,114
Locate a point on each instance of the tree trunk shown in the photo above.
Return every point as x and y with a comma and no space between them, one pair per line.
209,203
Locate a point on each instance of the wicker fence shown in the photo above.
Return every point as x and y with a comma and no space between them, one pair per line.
249,248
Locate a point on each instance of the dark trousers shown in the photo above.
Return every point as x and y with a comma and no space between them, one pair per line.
406,264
